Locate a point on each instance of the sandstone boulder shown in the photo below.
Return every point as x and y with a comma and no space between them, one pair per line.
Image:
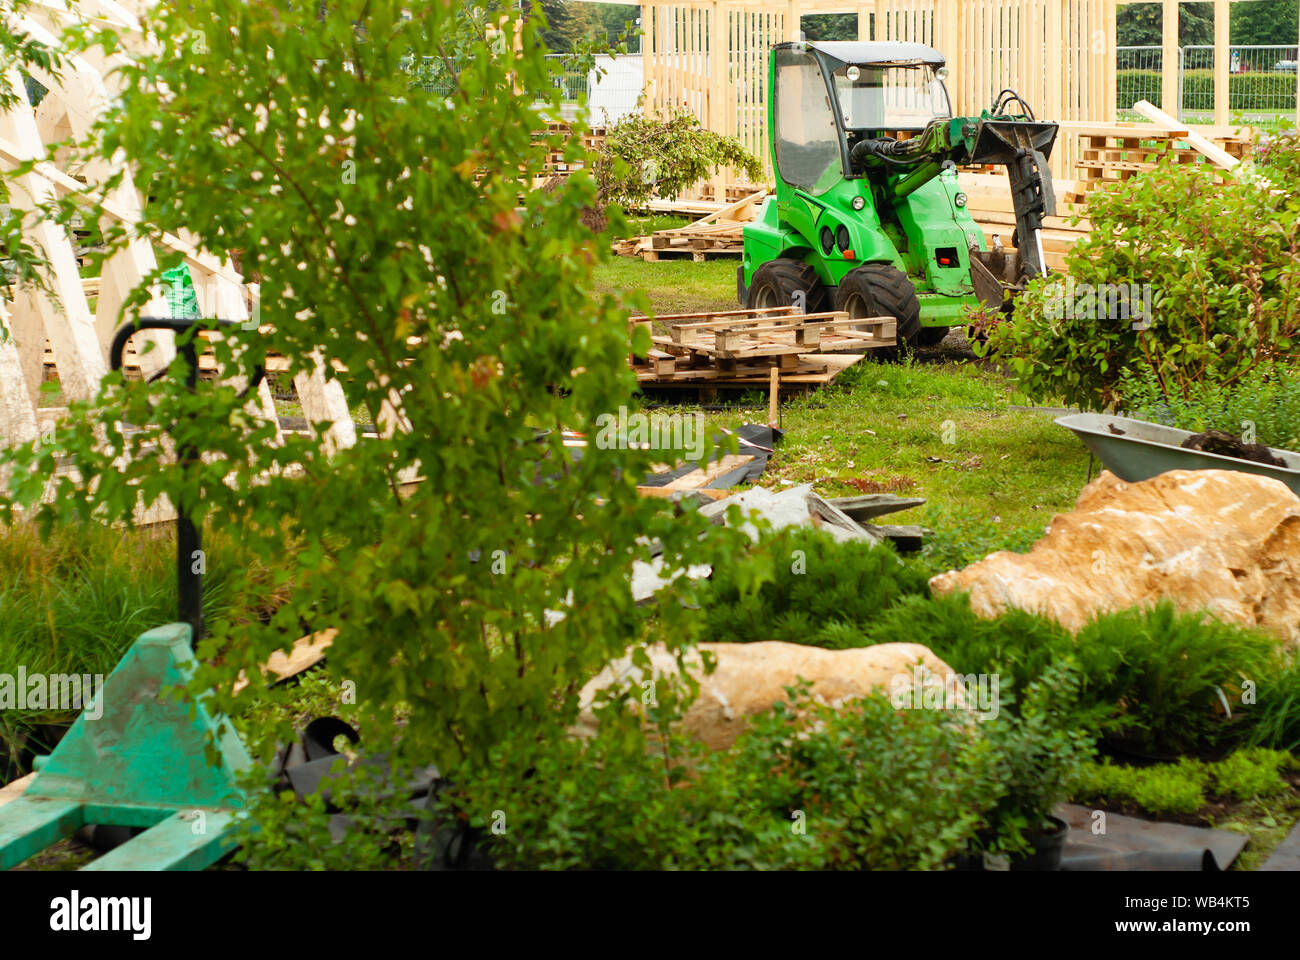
751,677
1218,541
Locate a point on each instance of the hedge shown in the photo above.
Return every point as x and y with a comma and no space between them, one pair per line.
1246,91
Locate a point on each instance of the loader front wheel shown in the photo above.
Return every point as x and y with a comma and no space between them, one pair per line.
787,283
881,290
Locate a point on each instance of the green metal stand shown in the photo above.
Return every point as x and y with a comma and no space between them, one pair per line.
144,762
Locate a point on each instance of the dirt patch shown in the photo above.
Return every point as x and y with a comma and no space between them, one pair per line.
892,485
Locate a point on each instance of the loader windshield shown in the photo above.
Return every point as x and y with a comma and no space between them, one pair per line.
884,97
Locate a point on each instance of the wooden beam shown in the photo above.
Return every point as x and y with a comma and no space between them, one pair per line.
1216,155
1170,86
1222,53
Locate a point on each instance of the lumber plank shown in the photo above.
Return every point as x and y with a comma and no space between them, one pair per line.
706,475
307,652
1216,155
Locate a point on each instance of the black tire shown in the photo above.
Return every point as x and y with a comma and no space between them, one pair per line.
881,290
777,282
932,336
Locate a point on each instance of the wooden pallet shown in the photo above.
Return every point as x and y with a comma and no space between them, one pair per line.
1107,157
768,335
812,372
719,233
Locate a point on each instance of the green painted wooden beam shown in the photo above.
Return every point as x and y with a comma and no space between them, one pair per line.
139,758
174,844
30,824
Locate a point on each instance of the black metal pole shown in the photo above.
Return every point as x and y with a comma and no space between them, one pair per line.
189,544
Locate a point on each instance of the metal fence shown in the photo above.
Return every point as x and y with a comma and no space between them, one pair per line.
608,91
1262,80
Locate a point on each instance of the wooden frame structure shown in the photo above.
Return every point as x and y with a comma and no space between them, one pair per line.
79,336
711,55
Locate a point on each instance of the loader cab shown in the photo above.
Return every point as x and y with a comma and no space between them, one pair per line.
829,95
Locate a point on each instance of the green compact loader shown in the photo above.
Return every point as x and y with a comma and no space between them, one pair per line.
868,216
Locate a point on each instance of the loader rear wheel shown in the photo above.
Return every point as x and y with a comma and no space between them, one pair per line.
880,290
784,282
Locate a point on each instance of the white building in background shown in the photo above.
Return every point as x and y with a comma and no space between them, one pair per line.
613,87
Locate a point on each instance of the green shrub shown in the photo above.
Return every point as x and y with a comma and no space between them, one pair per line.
820,589
1277,151
1264,403
1175,680
1223,264
1156,679
1277,710
867,786
1035,756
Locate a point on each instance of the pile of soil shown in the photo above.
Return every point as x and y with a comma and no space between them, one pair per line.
1226,445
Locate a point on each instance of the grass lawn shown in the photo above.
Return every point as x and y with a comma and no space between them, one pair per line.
673,286
993,475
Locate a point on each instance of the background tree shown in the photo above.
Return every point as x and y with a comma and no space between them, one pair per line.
830,26
568,24
1142,24
1266,22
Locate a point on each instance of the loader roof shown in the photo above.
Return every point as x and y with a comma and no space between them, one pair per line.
847,51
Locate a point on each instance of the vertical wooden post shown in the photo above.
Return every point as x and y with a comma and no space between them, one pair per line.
1170,87
1055,40
774,398
864,23
1111,113
947,34
792,20
715,36
649,55
1222,57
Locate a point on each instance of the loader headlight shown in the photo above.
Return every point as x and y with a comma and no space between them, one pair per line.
859,203
960,199
853,73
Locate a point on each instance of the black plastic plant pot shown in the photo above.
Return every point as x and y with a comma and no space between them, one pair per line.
1048,848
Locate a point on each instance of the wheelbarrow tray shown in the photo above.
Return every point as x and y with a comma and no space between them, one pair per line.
1146,450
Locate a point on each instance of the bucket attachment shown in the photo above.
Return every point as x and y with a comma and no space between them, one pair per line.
997,276
137,757
1023,147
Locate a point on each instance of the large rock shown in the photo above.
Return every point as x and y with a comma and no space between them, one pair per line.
1218,541
752,677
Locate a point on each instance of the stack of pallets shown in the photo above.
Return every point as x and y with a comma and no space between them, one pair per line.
554,163
1113,155
720,233
756,348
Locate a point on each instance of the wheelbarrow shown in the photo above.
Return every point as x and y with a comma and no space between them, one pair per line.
143,759
1136,450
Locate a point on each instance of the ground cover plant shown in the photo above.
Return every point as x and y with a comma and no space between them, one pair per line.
1182,787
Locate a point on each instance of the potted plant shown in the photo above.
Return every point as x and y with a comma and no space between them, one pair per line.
1032,753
